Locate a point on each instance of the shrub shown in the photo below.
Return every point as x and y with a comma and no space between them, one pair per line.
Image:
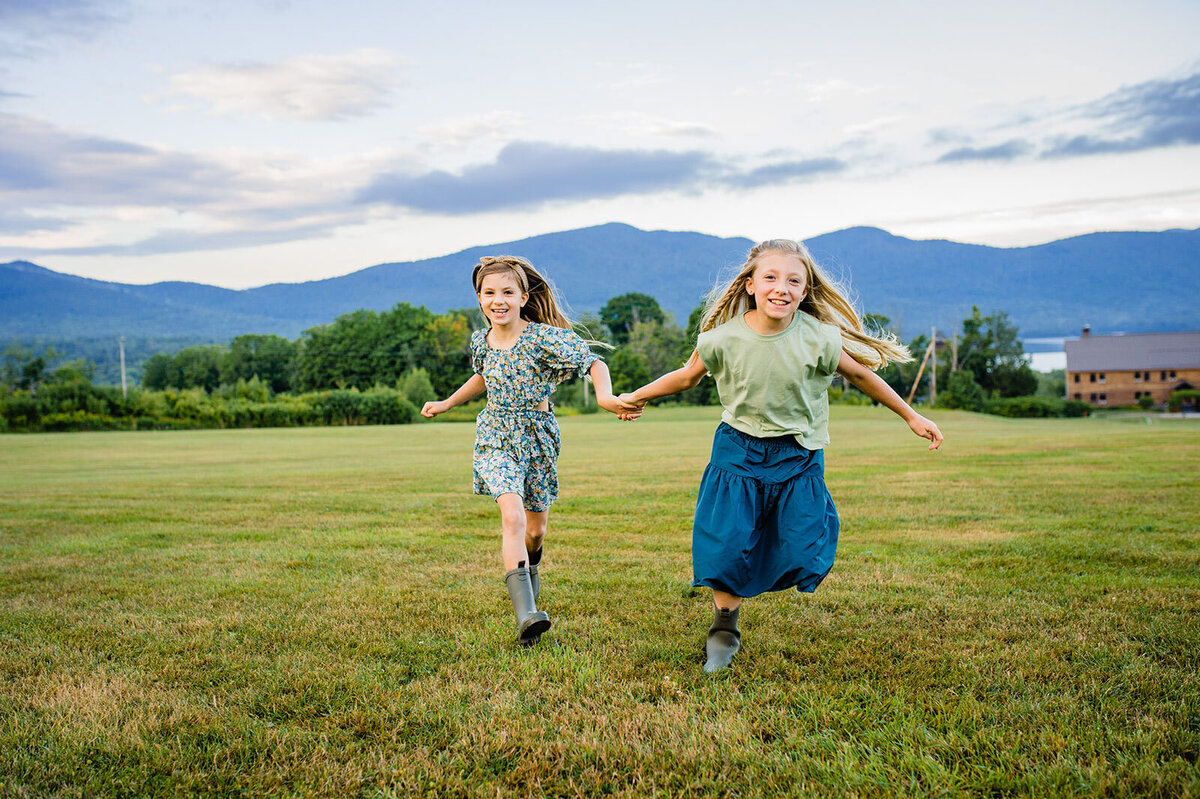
1076,408
1145,402
22,411
387,406
963,392
78,420
343,406
1178,399
416,386
1031,407
273,414
848,396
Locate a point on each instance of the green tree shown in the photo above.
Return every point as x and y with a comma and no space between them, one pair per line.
24,370
628,369
990,349
900,376
340,354
962,392
416,386
442,349
589,326
660,343
158,372
621,313
897,375
270,358
1052,383
474,316
705,393
199,367
401,330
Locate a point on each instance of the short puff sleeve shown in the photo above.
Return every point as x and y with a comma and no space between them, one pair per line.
831,349
479,350
562,354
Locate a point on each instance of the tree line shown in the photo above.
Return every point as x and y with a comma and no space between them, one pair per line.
373,367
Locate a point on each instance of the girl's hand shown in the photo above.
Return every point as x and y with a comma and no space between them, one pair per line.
432,409
926,429
629,399
626,411
638,405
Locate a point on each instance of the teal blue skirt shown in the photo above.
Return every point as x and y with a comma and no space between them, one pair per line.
764,518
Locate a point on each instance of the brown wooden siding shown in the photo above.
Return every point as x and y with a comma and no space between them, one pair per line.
1124,387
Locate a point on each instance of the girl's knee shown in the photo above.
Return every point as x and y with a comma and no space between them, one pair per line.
535,528
512,525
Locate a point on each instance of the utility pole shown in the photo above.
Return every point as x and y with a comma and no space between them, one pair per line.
933,371
954,352
124,392
912,392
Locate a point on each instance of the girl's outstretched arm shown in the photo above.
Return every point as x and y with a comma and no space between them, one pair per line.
466,392
873,386
604,396
683,378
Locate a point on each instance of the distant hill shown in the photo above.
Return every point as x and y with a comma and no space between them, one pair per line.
1113,281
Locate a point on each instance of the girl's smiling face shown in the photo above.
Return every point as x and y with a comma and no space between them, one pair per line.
778,284
501,299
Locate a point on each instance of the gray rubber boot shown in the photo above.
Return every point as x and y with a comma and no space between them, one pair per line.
724,639
535,558
531,622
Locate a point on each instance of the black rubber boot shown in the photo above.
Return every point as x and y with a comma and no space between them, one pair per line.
724,640
531,622
535,558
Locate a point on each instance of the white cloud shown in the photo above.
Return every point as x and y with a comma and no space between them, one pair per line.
826,90
134,199
309,87
873,126
636,123
636,75
460,132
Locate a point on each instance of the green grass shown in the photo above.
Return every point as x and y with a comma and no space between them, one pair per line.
321,612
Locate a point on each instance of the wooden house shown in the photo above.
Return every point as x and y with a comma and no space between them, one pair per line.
1119,370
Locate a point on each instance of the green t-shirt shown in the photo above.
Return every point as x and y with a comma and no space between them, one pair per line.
774,385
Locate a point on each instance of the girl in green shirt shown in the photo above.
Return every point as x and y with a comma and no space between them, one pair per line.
764,518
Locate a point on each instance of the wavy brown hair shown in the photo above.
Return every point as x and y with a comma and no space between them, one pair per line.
824,300
542,305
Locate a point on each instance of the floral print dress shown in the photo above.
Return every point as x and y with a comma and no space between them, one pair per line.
516,445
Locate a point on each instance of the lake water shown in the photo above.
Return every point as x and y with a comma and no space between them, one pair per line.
1045,354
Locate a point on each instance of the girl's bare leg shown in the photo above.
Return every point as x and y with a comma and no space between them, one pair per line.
535,528
512,531
531,622
726,601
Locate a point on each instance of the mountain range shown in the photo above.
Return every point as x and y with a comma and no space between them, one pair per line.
1115,282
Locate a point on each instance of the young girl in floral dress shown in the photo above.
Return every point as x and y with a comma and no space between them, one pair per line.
527,351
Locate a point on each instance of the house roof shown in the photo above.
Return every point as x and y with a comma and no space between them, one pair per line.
1134,351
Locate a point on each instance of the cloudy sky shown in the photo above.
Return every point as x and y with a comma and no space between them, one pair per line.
243,142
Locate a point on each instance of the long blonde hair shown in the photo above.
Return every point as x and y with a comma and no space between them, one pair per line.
824,300
542,305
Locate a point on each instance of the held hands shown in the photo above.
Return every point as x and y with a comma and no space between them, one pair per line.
639,405
432,409
926,429
626,411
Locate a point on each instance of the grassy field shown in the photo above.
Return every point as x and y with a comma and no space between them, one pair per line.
321,612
